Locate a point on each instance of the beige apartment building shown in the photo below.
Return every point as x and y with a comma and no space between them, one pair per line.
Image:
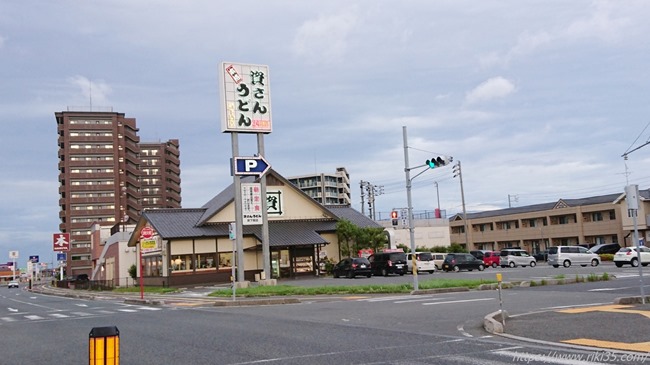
586,221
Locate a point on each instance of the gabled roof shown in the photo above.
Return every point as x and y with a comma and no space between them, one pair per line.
227,196
561,203
190,223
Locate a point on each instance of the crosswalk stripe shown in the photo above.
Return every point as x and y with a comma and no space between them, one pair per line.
59,315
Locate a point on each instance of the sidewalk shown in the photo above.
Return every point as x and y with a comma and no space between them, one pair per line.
620,326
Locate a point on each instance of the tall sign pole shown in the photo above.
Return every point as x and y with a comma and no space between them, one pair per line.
246,108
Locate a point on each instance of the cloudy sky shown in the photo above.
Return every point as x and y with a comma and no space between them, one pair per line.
537,99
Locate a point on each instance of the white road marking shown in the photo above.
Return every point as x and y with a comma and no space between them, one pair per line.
459,301
59,315
33,317
420,300
8,319
81,314
12,309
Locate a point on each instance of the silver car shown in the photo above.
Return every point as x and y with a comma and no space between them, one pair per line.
569,255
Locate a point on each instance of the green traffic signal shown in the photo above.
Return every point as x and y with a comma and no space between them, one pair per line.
438,161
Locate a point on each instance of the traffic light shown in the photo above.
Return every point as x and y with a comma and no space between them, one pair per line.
439,161
394,215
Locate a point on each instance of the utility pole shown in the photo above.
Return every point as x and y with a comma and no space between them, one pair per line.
459,173
437,196
362,185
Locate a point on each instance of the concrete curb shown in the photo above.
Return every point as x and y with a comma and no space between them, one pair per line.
493,322
142,301
439,290
245,302
631,300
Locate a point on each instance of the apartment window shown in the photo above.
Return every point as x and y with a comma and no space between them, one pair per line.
612,215
596,217
532,223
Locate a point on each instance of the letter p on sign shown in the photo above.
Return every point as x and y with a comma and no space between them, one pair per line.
250,165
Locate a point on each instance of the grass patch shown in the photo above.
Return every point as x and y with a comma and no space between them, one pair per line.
284,290
543,282
147,289
561,276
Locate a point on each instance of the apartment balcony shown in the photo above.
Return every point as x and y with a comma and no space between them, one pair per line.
83,139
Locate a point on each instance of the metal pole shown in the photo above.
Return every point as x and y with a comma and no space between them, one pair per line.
266,250
437,195
238,213
462,196
410,207
638,254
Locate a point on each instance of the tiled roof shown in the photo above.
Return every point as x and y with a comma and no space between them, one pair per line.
610,198
193,223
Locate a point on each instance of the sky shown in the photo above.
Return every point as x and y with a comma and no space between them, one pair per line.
537,100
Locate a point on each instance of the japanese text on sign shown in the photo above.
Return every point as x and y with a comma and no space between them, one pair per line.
246,98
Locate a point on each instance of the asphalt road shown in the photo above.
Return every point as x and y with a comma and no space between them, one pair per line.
378,329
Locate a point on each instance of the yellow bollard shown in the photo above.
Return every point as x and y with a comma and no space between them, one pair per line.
104,346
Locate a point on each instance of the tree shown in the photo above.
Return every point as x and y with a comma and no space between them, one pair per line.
353,238
133,272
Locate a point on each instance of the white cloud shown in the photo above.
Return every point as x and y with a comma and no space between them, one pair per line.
600,24
92,91
494,88
324,39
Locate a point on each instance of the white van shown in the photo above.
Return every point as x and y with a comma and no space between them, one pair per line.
438,259
569,255
424,262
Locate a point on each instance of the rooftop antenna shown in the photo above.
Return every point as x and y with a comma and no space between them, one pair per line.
90,93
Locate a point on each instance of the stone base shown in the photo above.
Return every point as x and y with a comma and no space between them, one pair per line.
268,282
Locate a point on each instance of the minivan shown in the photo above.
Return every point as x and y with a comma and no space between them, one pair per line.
424,262
569,255
516,257
384,263
438,259
602,248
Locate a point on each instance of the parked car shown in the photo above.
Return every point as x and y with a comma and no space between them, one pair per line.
491,258
385,263
478,253
462,261
541,255
13,284
569,255
629,256
602,248
438,259
516,257
424,262
351,267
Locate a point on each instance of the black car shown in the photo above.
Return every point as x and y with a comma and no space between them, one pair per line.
351,267
603,248
462,261
541,255
385,263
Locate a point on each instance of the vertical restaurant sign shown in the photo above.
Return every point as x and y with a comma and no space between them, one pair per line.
251,199
245,98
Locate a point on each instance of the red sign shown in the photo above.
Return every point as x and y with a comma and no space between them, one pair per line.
146,232
61,242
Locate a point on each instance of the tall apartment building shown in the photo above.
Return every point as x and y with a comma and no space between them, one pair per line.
100,177
161,174
327,189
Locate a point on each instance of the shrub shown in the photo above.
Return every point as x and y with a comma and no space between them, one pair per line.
606,257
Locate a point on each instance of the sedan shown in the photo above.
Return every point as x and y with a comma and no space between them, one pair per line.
351,267
13,284
629,256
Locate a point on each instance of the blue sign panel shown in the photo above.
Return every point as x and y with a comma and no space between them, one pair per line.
33,259
256,166
60,256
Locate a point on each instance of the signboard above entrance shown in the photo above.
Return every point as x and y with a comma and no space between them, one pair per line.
245,98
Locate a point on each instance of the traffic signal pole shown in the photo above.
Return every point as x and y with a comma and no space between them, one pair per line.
407,171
